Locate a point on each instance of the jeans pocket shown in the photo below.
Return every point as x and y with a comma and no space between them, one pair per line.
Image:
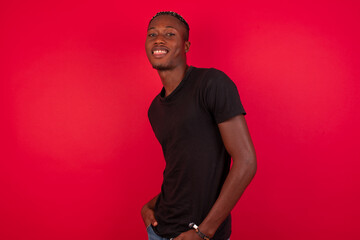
151,234
149,230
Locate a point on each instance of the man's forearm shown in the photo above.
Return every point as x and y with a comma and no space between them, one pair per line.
152,202
235,184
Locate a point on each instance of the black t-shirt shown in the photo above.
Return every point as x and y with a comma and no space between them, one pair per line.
197,163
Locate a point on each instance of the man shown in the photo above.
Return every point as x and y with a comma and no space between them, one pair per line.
199,121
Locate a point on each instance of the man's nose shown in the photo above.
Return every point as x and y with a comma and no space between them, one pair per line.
159,40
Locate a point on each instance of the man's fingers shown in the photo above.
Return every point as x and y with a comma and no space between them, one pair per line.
152,219
154,223
149,217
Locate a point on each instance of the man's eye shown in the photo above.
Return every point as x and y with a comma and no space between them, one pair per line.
151,35
170,34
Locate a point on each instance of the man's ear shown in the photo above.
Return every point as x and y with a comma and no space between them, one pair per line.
187,46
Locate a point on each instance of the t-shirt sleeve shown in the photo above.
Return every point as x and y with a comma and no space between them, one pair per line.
221,96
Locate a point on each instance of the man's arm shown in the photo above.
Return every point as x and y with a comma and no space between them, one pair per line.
147,212
238,143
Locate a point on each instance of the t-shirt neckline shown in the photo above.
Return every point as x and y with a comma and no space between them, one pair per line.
177,89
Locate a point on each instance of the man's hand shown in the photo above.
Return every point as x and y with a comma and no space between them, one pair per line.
148,216
189,235
147,212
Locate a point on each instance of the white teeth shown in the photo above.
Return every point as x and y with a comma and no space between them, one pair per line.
159,52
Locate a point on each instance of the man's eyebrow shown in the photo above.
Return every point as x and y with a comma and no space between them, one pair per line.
165,27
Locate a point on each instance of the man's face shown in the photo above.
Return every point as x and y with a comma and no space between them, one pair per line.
165,43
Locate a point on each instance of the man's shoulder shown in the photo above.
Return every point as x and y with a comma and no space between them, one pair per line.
211,76
209,73
206,70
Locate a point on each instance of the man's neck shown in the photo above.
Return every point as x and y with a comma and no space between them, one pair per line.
172,78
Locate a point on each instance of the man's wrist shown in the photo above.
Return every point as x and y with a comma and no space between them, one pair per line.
148,206
144,208
209,228
198,232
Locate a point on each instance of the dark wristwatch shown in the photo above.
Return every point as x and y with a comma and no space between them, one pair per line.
194,226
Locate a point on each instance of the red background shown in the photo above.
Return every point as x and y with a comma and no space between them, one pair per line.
78,156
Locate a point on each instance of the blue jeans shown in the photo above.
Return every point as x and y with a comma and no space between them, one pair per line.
153,236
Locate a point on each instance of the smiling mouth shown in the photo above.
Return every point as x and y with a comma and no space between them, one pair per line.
159,53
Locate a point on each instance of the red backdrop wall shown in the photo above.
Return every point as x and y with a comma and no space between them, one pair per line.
78,156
